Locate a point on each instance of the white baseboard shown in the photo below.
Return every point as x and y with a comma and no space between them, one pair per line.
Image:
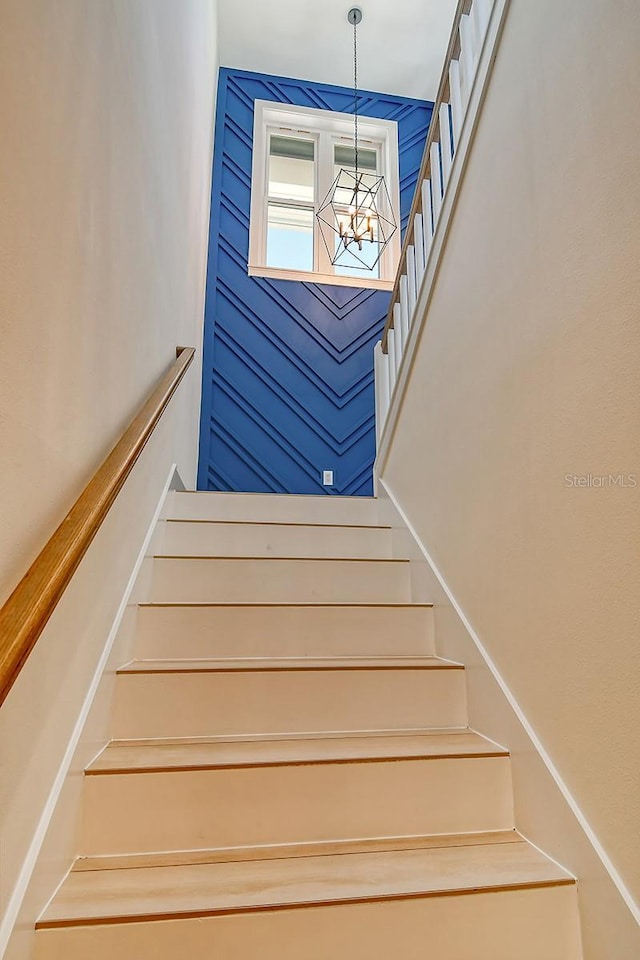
617,880
16,898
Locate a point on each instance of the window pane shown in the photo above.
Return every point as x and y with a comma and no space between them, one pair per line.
356,262
290,238
354,207
291,175
344,157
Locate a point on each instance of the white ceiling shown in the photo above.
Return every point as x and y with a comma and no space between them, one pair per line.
401,43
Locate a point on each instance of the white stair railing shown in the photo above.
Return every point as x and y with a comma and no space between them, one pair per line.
468,37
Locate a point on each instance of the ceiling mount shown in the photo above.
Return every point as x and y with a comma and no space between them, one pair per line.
354,16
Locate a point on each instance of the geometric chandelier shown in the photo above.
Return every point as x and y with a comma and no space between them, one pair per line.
356,218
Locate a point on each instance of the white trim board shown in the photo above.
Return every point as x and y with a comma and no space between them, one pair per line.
307,276
15,900
590,834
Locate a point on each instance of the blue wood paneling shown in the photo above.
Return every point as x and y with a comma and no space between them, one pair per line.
288,366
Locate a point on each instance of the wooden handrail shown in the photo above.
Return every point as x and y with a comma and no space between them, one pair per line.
26,612
434,131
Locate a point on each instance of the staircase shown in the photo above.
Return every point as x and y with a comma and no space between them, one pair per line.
291,774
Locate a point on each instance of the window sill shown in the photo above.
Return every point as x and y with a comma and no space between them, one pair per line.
307,276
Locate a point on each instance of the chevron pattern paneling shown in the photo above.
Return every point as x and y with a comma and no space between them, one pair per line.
288,366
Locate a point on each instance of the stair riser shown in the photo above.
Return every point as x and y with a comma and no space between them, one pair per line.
533,924
192,581
275,509
179,810
256,702
284,631
267,540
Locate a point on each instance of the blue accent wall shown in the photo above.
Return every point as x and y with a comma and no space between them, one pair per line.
287,385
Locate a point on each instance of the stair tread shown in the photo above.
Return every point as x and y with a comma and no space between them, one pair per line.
207,889
247,494
261,558
278,664
283,523
295,750
313,848
374,604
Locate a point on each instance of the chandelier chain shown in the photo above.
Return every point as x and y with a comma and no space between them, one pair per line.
356,218
355,91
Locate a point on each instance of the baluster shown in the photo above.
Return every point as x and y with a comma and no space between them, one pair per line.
466,58
397,318
445,143
405,316
391,352
476,37
399,339
418,239
436,182
480,12
427,210
386,394
412,295
377,388
455,95
381,374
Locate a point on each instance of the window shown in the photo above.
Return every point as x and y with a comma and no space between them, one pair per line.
297,154
290,202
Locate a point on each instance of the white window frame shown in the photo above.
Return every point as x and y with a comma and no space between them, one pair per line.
324,127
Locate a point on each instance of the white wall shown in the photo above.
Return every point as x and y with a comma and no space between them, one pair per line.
107,120
313,41
528,370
